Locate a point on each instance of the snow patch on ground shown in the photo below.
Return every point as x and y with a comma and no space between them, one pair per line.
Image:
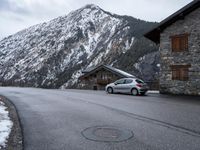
153,92
5,125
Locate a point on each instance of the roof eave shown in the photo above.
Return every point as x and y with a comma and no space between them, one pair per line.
100,67
154,34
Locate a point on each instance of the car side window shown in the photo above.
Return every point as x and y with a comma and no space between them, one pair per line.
139,81
128,81
121,81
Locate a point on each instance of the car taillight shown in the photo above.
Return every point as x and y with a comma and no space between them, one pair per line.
139,85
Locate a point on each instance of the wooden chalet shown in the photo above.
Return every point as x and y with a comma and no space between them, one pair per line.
97,78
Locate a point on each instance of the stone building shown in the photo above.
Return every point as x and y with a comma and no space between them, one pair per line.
97,78
179,39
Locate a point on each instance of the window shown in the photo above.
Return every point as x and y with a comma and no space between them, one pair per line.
179,43
121,81
139,81
128,81
180,72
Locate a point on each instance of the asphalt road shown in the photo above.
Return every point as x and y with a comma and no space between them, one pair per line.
56,119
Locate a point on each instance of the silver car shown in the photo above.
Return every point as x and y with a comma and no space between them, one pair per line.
132,86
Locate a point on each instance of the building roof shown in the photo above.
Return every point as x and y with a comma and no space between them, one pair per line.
154,34
116,71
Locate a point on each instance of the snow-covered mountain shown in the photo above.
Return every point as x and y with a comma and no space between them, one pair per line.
54,53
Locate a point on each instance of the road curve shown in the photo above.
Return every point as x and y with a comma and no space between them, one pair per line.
56,120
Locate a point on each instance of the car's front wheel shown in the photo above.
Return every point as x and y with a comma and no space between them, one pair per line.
110,90
134,92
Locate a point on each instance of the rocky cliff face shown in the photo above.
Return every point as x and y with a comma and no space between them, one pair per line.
54,53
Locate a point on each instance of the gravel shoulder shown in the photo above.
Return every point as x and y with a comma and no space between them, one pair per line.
15,140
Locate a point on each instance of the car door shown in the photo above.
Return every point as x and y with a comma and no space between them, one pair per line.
128,85
119,85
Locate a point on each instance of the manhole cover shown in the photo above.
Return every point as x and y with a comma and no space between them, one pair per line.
107,134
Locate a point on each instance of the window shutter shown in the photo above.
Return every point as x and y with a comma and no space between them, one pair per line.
184,74
180,72
184,43
179,43
175,74
175,44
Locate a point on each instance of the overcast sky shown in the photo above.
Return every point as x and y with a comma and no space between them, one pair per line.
16,15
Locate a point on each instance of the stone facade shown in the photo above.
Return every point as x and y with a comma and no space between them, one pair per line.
189,24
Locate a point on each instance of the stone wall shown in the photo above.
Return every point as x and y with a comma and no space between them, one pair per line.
190,24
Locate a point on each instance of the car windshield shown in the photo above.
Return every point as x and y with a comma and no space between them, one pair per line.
139,81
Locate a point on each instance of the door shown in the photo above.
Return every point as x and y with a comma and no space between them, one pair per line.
119,85
128,85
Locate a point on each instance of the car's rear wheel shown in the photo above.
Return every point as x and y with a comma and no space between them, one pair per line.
134,92
110,90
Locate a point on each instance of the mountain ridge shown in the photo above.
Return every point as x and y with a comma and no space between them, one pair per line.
54,53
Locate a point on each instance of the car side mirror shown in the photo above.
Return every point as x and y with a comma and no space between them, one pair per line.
115,83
